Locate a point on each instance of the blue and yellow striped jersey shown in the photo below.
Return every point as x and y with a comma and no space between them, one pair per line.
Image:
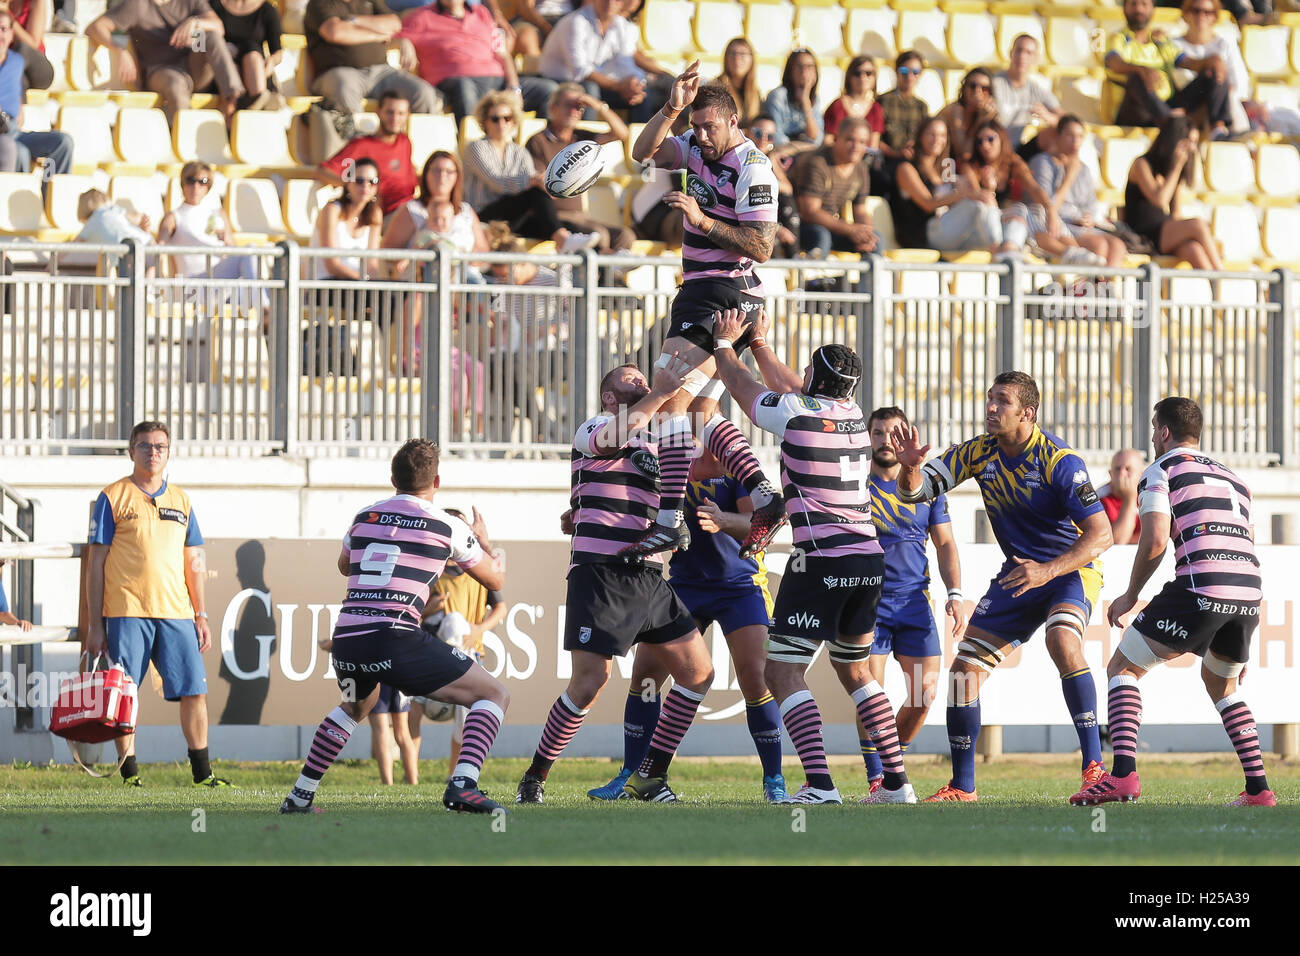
903,529
714,558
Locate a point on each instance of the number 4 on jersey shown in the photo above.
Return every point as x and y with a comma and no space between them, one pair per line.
854,469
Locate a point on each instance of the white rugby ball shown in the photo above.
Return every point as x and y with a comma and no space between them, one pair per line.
438,709
574,169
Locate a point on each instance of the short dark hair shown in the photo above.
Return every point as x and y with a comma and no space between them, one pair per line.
415,466
607,382
836,372
387,95
1025,386
886,412
1181,416
715,96
143,428
908,55
1068,119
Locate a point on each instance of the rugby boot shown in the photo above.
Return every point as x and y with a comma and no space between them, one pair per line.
1093,773
950,794
658,537
1265,798
469,800
214,782
904,794
1108,789
774,789
649,789
531,790
765,522
811,795
612,790
289,806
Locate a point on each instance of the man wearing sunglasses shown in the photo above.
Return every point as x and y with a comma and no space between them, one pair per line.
905,112
145,592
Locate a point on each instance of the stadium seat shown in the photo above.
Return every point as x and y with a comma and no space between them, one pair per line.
1013,20
61,201
922,28
201,135
22,210
1117,157
831,80
294,47
470,131
259,138
531,126
1277,170
1069,42
769,26
970,37
1229,168
141,136
139,194
1080,95
1278,94
819,26
930,89
303,200
92,135
882,220
58,47
253,206
430,132
664,27
89,70
1237,228
870,28
1265,50
1295,49
603,202
717,22
1281,233
952,80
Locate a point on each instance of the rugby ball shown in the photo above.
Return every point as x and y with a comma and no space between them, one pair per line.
574,169
437,709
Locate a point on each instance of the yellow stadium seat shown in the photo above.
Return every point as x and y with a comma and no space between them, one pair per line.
769,25
930,89
1281,232
604,202
22,211
1117,157
530,127
1080,95
1265,50
882,220
259,138
58,47
139,194
201,135
253,206
922,28
1070,42
470,131
1278,94
1237,229
1295,50
92,135
870,28
61,201
1277,170
87,69
303,201
819,26
141,136
952,80
1229,168
970,38
664,26
430,132
1012,23
294,47
717,22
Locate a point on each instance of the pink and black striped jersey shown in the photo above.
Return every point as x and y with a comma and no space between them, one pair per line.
614,497
397,548
1209,510
825,471
740,187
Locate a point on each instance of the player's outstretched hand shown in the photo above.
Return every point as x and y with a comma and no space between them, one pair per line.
761,324
566,522
1025,576
709,515
685,86
729,324
1118,608
478,526
906,442
671,376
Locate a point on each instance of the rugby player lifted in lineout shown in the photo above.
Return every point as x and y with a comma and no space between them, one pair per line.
730,210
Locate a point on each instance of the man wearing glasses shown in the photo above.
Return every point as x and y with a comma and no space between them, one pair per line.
1023,98
905,112
145,593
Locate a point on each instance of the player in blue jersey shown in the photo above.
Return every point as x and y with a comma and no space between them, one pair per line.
905,624
715,584
1052,528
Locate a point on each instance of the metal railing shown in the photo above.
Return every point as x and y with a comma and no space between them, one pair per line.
18,525
291,360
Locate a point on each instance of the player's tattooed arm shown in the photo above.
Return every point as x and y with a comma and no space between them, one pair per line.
753,240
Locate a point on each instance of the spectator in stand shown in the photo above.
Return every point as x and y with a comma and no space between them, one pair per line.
390,149
177,48
827,179
1200,44
1251,12
1119,498
110,224
534,20
19,148
566,107
974,105
1139,77
30,17
858,101
1063,176
740,76
253,37
905,112
1153,192
352,221
7,616
348,43
462,53
793,104
441,181
933,207
1023,98
762,133
597,47
502,181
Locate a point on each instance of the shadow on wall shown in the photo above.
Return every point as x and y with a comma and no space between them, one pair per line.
248,697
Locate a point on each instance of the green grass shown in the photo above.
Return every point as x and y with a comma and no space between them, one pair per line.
59,815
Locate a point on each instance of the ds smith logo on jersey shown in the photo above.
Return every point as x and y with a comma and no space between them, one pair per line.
76,909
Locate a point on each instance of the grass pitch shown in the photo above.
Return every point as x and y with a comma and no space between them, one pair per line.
56,815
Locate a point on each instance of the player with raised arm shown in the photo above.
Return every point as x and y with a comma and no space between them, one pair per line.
391,556
729,207
1210,608
832,581
715,584
613,605
1051,527
904,622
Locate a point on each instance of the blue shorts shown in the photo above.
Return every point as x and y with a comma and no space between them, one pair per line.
908,630
1016,619
173,646
391,701
734,607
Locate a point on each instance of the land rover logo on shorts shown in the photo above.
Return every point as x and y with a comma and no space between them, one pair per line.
646,463
584,635
701,192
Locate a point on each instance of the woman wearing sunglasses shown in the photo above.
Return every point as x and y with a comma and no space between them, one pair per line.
1206,50
200,221
974,105
352,221
858,101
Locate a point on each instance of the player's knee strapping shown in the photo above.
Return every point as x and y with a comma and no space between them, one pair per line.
1071,619
791,650
843,652
1136,649
1228,670
695,379
980,653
